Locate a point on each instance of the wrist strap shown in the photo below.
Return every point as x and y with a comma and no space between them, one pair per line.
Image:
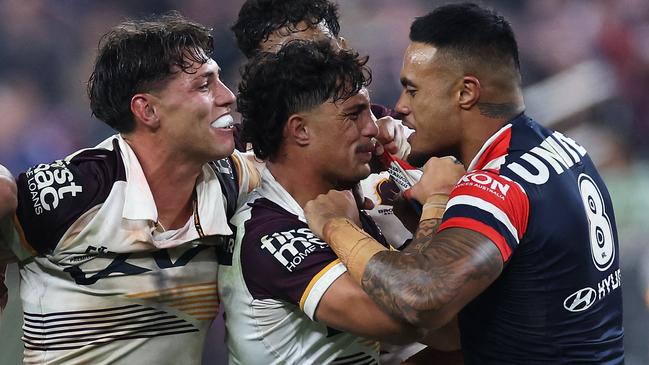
435,207
353,246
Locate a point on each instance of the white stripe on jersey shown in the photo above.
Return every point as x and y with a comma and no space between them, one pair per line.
487,207
320,287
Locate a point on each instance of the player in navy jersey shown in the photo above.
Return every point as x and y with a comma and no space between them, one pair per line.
524,249
117,243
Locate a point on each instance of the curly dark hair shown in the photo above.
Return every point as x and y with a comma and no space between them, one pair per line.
138,56
473,33
301,76
258,19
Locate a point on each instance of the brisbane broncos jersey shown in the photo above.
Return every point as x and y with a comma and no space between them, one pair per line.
99,282
271,287
538,196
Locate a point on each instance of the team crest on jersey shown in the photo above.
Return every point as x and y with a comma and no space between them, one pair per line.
290,248
48,184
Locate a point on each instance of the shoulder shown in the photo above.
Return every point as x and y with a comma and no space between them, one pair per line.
51,196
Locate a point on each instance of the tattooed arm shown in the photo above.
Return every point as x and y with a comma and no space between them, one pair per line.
428,283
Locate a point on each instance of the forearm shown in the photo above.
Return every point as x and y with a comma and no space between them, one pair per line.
428,283
429,287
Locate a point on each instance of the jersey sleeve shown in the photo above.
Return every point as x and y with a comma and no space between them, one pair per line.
51,197
288,263
490,204
247,173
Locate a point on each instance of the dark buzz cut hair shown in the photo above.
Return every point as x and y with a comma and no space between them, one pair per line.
469,32
258,19
139,56
298,78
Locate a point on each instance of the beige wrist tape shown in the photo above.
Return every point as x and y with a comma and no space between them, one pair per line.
434,207
353,246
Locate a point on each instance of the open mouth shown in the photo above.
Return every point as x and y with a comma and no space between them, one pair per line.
224,121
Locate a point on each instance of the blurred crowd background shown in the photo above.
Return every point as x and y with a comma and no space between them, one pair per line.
585,67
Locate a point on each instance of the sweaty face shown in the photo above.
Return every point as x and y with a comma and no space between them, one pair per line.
194,112
428,103
341,139
301,31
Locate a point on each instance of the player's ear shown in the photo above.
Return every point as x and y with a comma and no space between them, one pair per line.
469,93
144,111
297,129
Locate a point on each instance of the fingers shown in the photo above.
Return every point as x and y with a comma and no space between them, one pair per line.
368,204
440,176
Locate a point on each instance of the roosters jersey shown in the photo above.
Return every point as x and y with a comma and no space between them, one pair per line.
273,283
537,195
99,283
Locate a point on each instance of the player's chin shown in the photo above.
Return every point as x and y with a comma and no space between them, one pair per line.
362,171
418,158
222,148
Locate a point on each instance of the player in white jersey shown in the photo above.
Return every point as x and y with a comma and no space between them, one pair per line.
117,244
264,26
287,298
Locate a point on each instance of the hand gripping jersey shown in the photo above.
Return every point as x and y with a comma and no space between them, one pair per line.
382,191
98,283
537,195
271,288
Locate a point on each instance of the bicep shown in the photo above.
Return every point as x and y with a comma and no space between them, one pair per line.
463,263
428,287
346,307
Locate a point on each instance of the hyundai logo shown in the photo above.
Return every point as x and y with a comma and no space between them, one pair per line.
580,300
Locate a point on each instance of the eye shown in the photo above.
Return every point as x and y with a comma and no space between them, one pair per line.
411,91
353,116
204,86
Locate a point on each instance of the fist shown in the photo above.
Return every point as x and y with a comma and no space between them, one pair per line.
393,137
326,207
439,177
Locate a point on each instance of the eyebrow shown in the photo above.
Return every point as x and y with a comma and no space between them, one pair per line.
406,82
207,74
356,108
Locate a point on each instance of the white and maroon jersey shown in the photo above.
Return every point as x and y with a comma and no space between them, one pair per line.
538,196
382,191
99,284
273,283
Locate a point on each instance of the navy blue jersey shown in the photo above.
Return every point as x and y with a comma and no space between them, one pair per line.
538,196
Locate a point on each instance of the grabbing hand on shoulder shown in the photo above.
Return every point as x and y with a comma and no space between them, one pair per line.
8,193
326,207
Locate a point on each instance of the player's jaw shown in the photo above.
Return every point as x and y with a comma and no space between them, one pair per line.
221,131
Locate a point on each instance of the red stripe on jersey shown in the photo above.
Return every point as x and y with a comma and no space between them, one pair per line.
505,194
477,226
497,148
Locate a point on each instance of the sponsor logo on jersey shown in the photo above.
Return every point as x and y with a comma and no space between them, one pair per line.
584,298
290,248
487,183
48,184
556,151
580,300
